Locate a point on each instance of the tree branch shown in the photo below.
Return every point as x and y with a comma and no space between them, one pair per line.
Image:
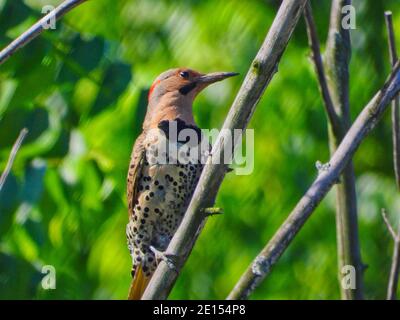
37,28
395,268
388,225
396,101
259,75
12,156
319,68
365,122
338,53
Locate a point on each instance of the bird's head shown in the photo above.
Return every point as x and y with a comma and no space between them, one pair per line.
172,94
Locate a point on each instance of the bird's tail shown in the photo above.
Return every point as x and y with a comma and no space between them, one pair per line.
138,285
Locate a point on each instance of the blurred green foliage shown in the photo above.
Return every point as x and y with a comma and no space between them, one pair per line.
81,92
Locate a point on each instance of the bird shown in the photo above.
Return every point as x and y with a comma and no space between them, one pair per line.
159,191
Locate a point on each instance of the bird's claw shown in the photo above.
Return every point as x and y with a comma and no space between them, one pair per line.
170,259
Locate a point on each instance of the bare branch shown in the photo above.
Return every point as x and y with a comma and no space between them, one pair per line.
388,225
12,156
396,101
319,68
395,268
259,75
335,94
365,122
337,60
37,28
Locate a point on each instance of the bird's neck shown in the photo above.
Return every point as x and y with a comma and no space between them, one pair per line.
169,108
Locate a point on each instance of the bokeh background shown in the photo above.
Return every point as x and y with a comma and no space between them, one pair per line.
81,91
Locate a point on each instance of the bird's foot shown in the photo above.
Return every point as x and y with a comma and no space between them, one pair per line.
170,259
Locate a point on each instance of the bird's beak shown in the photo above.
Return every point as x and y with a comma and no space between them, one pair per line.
214,77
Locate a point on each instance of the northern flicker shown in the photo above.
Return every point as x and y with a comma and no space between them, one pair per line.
159,192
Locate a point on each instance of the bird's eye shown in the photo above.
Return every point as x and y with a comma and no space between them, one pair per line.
184,74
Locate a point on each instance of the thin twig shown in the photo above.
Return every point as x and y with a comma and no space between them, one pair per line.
38,28
319,68
396,101
259,75
388,225
365,122
395,267
12,156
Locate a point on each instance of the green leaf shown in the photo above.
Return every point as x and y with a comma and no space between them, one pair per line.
116,79
84,56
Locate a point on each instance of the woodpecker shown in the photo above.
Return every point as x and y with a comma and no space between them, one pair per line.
160,191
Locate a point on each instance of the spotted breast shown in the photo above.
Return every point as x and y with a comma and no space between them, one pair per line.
164,187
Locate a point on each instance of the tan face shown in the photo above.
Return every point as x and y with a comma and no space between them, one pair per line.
183,81
171,95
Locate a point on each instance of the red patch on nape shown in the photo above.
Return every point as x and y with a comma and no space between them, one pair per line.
155,83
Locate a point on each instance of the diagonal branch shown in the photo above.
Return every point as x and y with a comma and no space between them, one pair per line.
37,28
365,122
389,225
260,74
12,156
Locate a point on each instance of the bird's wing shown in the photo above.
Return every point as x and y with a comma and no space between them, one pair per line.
135,167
